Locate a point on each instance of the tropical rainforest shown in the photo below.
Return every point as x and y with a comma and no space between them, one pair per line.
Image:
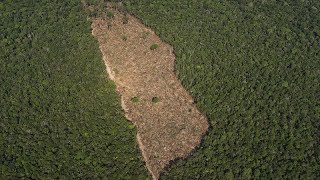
60,118
253,67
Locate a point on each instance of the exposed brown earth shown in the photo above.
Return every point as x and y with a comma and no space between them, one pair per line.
169,126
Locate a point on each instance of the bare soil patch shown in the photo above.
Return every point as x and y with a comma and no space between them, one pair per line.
169,126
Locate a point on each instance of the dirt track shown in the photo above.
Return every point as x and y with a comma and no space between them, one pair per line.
169,126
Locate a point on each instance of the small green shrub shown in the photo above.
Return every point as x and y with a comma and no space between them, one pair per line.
154,46
110,14
135,99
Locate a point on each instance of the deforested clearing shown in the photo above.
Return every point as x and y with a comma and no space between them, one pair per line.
169,125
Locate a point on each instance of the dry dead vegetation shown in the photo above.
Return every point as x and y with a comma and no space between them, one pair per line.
169,126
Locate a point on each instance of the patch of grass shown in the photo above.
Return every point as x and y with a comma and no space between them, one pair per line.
135,99
131,126
109,14
154,46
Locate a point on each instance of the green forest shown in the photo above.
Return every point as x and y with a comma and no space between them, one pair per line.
252,67
59,118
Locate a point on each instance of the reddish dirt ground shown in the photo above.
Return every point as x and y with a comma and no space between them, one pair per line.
169,126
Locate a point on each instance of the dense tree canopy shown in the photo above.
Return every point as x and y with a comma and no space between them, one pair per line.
59,116
254,68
